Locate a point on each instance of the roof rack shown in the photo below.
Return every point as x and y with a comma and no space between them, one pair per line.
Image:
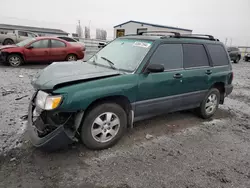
176,34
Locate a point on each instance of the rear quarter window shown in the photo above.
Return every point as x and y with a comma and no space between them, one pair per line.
218,54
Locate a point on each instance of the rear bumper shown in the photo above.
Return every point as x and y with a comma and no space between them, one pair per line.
59,138
228,89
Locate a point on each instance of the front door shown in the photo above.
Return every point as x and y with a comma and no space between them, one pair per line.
58,50
38,52
160,92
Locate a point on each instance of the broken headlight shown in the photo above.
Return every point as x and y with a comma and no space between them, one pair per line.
46,101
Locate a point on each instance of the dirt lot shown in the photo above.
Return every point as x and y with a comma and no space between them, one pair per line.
184,151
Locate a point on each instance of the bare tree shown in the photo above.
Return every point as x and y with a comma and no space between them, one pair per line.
79,30
101,34
87,32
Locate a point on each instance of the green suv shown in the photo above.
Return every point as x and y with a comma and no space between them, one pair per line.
132,78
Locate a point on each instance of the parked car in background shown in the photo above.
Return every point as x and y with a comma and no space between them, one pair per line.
247,57
71,40
98,100
16,36
234,54
40,49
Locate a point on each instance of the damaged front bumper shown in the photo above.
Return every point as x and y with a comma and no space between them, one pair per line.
47,132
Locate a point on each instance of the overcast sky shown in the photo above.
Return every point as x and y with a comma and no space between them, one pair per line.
221,18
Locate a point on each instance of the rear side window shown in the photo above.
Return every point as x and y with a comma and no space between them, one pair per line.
218,55
57,44
195,56
169,55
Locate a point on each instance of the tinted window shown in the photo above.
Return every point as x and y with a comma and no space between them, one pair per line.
22,33
169,55
194,55
218,55
67,39
41,44
57,44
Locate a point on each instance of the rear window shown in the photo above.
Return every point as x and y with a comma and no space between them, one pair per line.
67,39
218,55
195,56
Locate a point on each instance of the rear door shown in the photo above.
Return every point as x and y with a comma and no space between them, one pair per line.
58,50
196,74
38,52
160,92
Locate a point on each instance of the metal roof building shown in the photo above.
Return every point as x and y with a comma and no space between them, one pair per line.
134,27
40,31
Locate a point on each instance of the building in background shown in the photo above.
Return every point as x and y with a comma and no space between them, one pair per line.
4,28
135,27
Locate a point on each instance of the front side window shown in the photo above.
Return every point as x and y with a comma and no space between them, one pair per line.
169,55
122,54
22,34
57,44
195,56
40,44
218,54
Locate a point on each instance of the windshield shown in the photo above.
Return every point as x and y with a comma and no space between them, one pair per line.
122,54
25,42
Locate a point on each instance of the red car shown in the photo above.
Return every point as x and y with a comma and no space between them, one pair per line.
41,49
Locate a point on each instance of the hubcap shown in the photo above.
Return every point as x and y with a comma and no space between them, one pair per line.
15,61
211,104
71,58
105,127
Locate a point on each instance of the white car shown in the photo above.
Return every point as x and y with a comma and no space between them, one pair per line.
71,40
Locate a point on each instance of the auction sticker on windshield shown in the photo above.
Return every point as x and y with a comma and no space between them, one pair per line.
142,44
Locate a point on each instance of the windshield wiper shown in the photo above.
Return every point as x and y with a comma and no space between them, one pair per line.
110,63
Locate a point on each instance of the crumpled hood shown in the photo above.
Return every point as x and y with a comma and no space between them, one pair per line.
64,72
7,46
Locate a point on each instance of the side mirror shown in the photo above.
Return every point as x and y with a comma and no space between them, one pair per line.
29,47
155,68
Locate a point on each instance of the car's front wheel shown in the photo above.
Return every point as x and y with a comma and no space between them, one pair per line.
71,57
210,104
237,59
103,126
14,60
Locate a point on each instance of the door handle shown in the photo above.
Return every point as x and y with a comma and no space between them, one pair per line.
208,72
178,75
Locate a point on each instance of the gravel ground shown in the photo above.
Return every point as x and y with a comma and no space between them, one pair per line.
183,151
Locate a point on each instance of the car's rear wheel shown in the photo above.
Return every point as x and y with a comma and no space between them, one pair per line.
15,60
103,126
237,59
71,57
8,42
209,104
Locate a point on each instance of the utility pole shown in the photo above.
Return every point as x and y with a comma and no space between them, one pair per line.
226,42
231,41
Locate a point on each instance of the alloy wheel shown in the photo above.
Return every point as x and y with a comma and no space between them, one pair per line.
105,127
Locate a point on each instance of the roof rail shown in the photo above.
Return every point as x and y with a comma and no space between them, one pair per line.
176,34
199,36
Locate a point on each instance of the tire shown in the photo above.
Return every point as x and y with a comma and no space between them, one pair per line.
97,133
71,57
237,59
206,111
8,42
14,60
